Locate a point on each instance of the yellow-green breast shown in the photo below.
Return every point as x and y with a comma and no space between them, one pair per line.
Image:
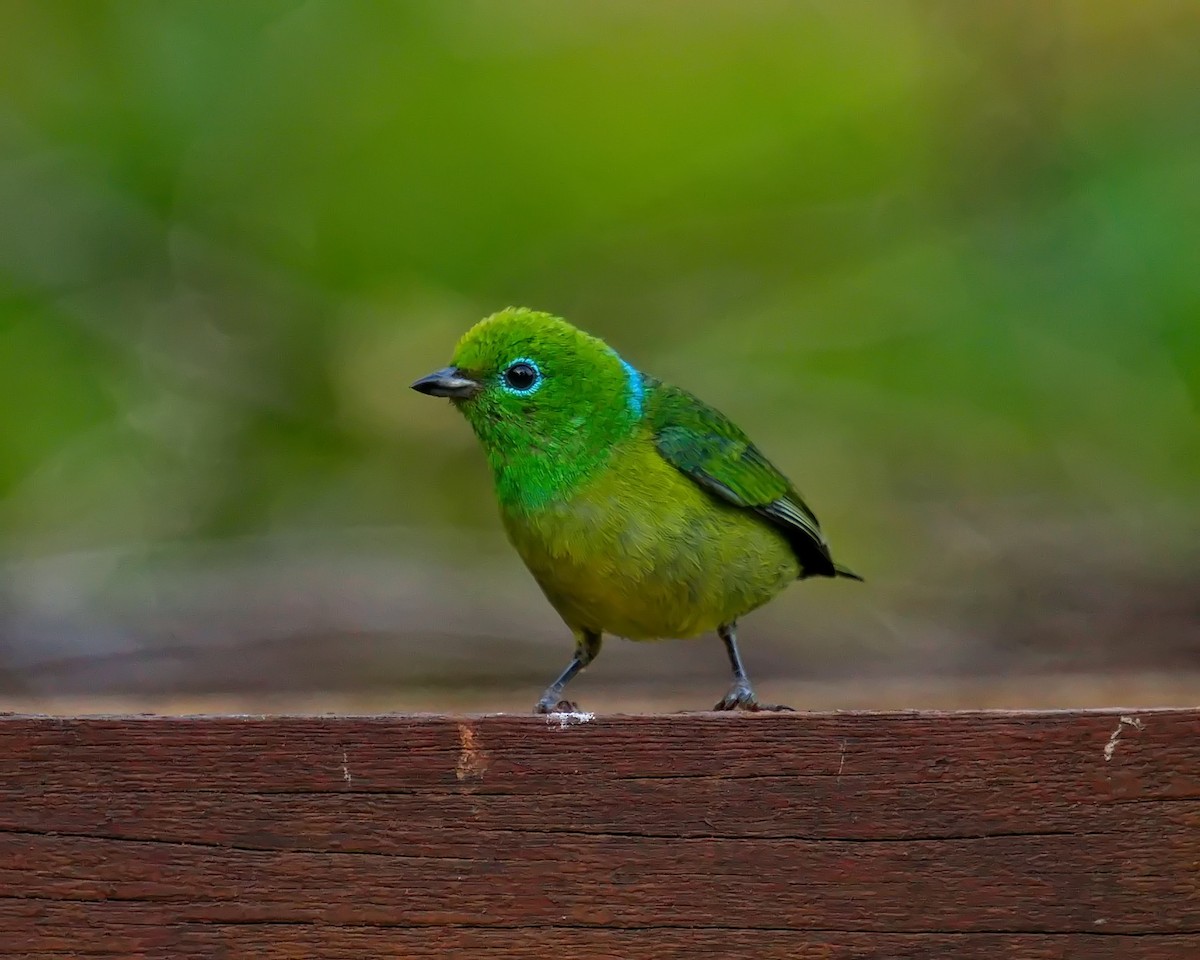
641,551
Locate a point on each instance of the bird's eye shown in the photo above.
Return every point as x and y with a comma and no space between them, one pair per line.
522,376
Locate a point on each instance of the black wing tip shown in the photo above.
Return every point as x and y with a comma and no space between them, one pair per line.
840,571
828,569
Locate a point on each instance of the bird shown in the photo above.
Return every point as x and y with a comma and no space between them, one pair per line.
641,511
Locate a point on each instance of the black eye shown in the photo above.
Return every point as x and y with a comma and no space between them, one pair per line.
522,376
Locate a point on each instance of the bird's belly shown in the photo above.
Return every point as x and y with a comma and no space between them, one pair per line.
647,554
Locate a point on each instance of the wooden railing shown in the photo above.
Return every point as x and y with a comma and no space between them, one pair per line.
789,836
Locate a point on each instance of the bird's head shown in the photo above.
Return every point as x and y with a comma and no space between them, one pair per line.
537,390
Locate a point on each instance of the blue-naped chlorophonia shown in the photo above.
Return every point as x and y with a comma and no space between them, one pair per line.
641,511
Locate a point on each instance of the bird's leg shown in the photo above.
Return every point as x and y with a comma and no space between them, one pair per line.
586,648
741,694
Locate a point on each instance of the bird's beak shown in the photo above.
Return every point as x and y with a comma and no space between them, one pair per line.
448,382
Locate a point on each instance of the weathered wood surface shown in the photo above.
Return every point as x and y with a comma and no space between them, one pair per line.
789,836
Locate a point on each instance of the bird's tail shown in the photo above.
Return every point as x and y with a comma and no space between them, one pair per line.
840,571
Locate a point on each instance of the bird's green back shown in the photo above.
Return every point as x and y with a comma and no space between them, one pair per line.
708,447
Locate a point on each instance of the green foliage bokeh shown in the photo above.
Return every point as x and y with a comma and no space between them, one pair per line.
939,259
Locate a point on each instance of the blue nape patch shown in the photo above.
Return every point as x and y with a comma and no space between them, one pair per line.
637,390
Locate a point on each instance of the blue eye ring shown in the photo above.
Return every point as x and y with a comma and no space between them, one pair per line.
521,377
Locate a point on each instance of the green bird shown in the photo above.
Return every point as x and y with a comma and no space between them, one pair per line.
641,511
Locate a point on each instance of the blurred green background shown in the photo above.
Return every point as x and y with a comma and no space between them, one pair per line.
941,260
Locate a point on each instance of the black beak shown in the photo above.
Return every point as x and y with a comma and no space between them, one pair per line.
448,382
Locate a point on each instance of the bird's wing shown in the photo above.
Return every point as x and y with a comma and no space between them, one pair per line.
706,446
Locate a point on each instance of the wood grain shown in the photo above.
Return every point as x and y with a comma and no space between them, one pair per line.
900,835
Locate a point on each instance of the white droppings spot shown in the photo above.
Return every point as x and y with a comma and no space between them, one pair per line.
565,720
346,769
1111,747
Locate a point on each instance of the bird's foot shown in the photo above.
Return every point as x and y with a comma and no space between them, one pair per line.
741,697
552,705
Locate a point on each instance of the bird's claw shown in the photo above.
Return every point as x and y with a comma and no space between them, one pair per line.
560,706
742,697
